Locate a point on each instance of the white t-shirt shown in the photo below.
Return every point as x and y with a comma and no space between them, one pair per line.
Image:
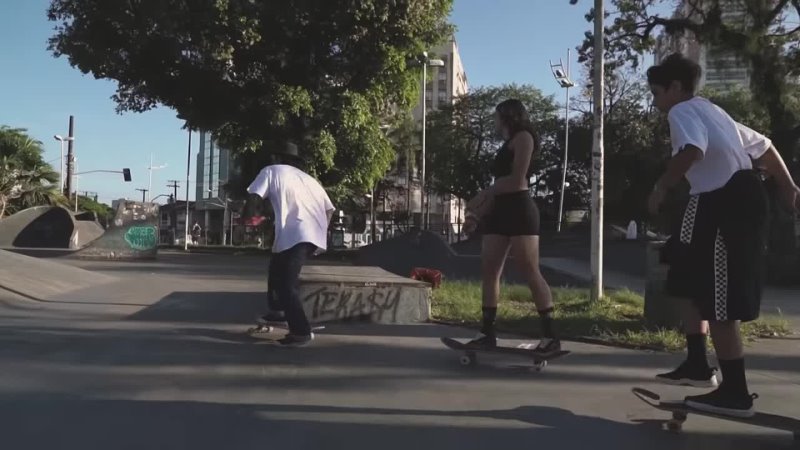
727,145
300,205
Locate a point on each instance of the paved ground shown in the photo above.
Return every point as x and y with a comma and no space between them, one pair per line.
159,360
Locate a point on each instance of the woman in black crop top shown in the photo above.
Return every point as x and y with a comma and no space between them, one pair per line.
512,223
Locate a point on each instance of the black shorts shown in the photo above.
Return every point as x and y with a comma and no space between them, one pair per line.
513,214
717,251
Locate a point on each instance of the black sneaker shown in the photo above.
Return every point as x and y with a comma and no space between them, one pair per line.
723,402
548,345
483,341
272,317
294,340
687,375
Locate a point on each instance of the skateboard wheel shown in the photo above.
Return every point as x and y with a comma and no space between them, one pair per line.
540,365
674,426
679,416
467,360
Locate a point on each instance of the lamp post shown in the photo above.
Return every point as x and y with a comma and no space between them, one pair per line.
61,139
562,77
597,155
151,168
425,63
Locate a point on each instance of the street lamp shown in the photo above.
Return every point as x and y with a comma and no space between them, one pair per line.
61,139
425,63
562,77
151,168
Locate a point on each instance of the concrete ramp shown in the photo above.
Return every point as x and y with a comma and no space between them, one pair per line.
337,293
41,279
52,227
132,235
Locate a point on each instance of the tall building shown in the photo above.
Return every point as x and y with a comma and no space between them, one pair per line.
721,68
214,168
445,212
447,83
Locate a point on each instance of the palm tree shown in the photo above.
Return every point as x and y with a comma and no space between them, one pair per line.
25,179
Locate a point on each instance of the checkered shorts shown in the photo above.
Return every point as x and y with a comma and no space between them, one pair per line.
717,251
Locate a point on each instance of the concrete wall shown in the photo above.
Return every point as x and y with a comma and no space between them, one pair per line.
336,293
132,235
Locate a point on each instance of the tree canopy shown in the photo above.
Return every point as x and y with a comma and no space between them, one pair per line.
324,74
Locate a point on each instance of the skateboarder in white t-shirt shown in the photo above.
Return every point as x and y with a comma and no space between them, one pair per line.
303,212
716,250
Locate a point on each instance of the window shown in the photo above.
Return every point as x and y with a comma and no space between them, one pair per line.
442,85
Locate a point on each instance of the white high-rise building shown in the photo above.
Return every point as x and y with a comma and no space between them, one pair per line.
721,68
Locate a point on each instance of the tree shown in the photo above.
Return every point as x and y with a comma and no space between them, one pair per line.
324,74
26,180
759,36
462,139
758,32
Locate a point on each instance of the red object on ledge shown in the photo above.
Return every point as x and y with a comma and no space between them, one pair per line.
432,276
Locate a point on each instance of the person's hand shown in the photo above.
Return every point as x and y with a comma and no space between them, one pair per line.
470,225
790,195
655,200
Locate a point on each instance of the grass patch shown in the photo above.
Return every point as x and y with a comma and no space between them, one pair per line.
618,319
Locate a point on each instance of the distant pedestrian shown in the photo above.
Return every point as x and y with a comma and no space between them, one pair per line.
196,230
303,212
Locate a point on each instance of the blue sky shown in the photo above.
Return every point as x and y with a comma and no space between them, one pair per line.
501,41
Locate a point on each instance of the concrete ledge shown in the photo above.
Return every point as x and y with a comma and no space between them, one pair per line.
336,293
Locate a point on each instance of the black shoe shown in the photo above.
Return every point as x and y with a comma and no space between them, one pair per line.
548,345
483,341
294,340
723,402
272,317
688,375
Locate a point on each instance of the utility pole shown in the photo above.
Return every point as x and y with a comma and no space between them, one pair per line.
143,191
596,291
188,166
174,211
174,184
70,157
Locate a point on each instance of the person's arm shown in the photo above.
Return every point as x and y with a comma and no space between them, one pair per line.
677,168
256,193
689,138
523,146
773,165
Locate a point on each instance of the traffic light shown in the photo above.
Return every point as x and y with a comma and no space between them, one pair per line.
126,173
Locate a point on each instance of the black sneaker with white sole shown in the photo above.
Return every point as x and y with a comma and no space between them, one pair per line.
547,346
721,401
689,375
272,317
483,341
294,340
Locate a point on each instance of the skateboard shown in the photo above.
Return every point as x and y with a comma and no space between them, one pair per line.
262,327
680,412
470,356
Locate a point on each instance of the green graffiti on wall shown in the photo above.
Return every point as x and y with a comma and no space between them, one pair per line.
141,238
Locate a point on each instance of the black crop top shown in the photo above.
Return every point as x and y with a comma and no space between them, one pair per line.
503,163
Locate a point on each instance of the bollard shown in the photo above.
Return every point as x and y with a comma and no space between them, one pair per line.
660,309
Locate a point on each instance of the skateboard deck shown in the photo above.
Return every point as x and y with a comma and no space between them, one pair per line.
263,328
681,411
470,356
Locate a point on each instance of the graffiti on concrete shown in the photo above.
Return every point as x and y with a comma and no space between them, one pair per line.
344,302
141,238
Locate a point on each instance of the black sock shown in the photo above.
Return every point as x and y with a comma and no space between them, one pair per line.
696,346
546,319
489,314
733,377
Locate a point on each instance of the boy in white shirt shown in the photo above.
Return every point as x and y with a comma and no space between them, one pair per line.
303,212
716,253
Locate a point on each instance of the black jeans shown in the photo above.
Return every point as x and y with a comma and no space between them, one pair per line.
283,286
